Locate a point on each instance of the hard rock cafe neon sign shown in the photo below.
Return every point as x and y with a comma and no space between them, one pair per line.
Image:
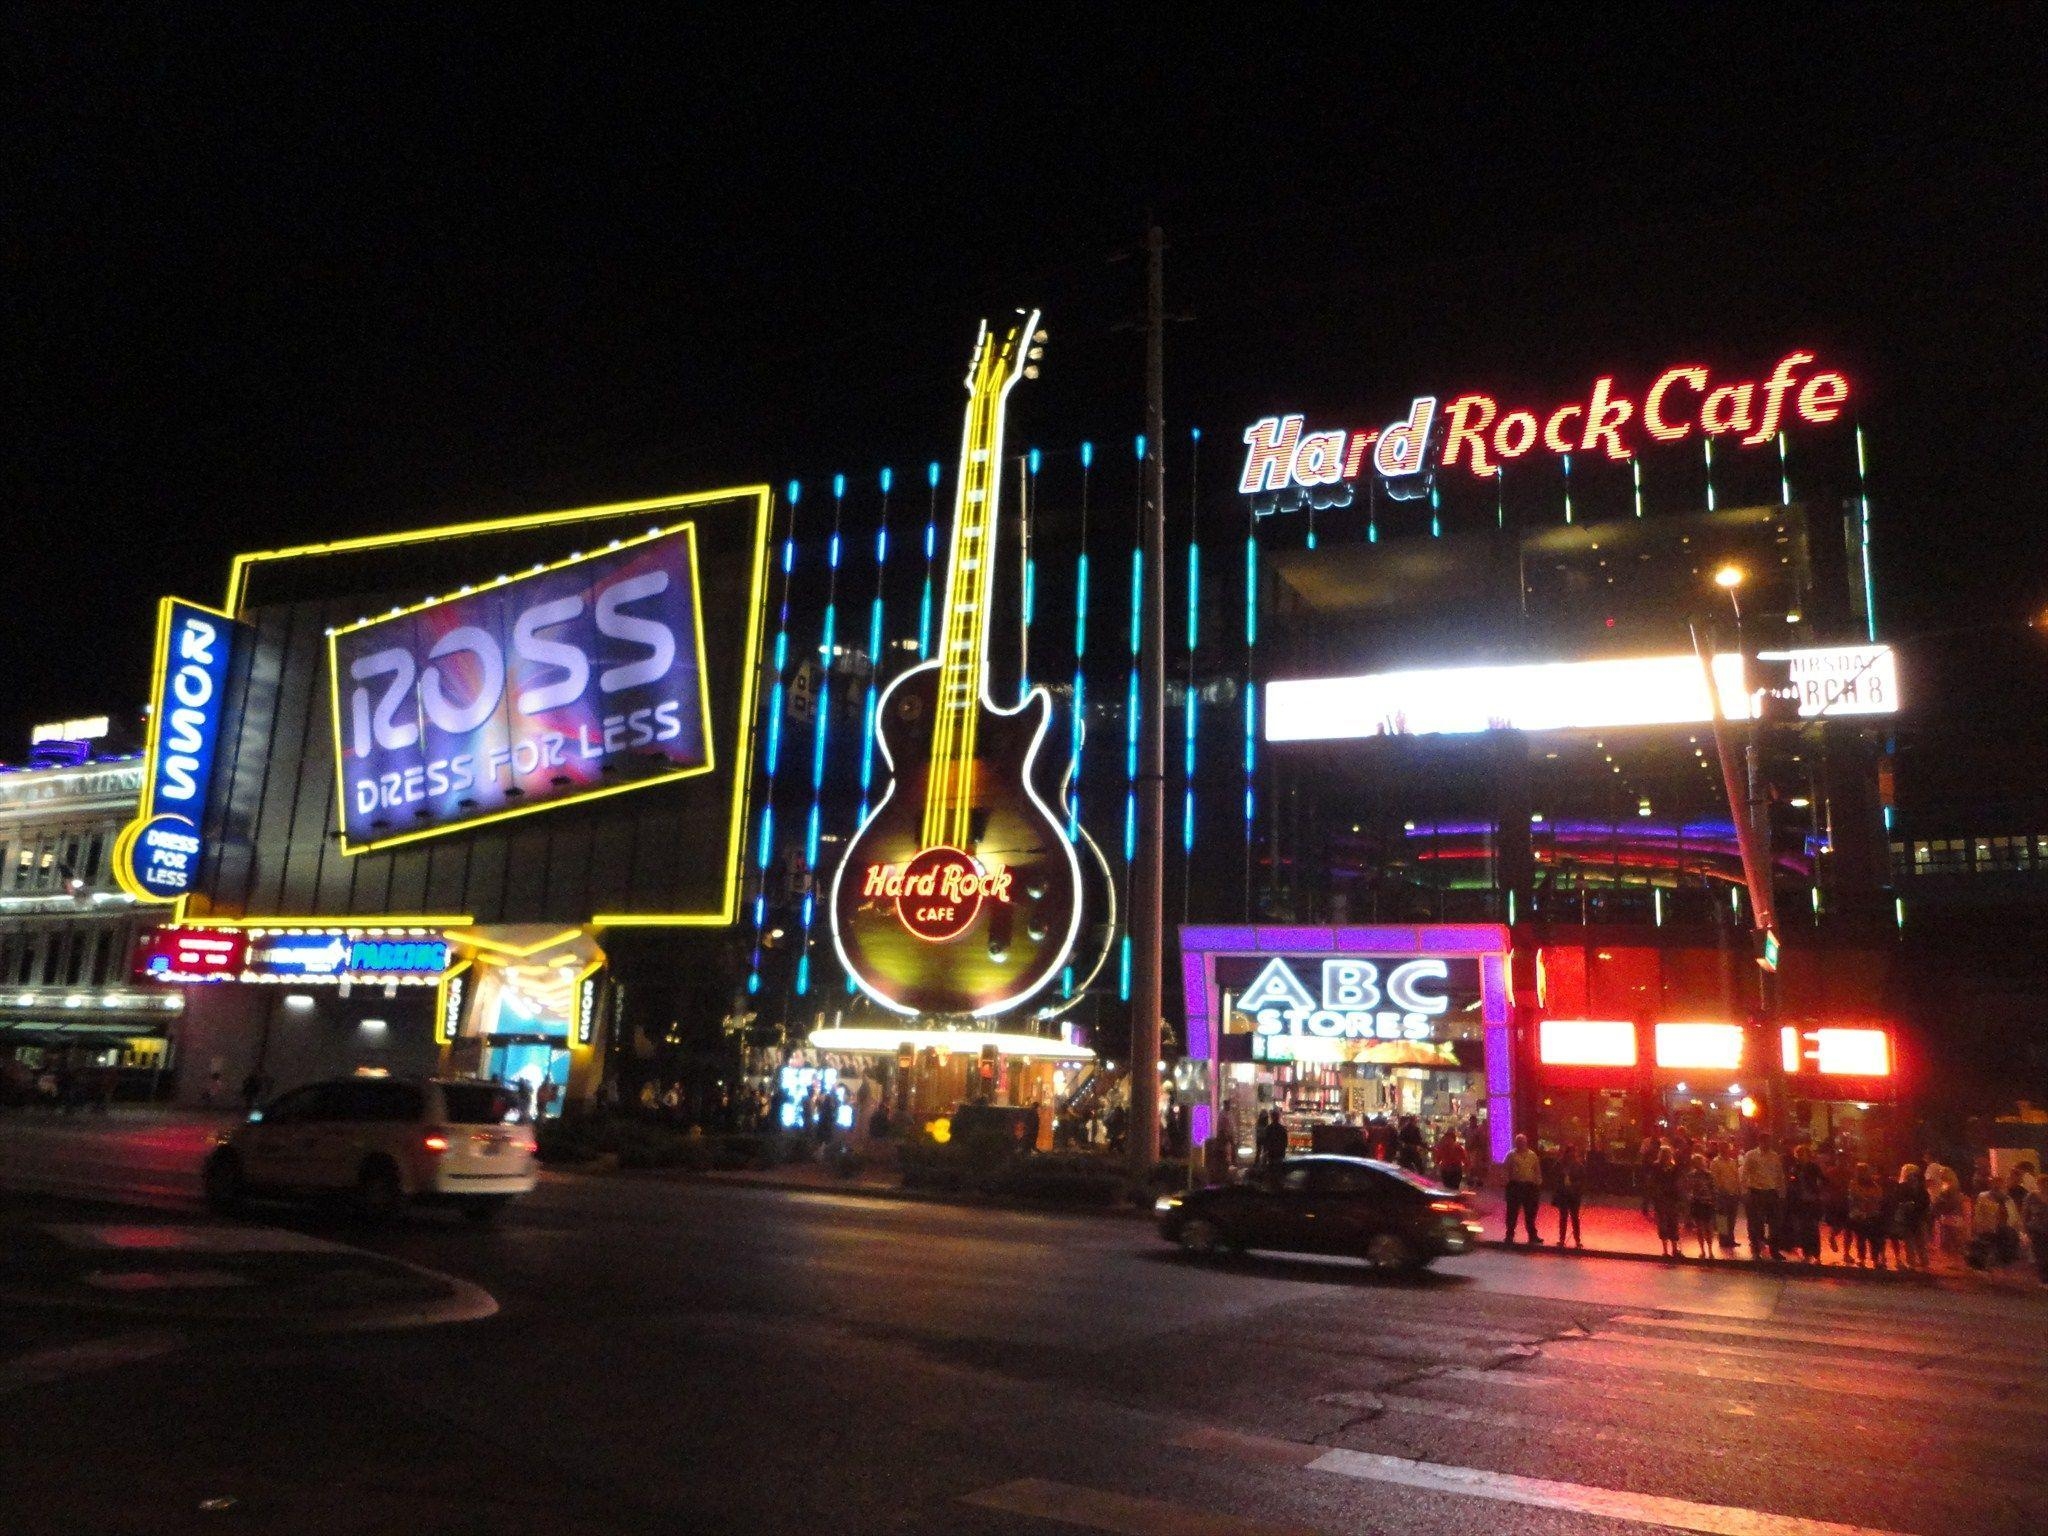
939,893
1482,434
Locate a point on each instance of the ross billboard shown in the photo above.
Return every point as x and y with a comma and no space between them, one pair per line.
578,679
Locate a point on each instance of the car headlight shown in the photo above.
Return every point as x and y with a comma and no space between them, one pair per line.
1166,1203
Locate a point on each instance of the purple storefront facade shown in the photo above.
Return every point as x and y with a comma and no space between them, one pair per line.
1396,1018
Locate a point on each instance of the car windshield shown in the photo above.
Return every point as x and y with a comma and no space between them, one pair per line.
477,1104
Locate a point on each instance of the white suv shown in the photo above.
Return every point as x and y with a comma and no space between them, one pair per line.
383,1142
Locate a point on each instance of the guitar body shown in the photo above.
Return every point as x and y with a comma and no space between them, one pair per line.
974,929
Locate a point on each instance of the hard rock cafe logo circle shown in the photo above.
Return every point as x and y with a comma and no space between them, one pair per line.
939,893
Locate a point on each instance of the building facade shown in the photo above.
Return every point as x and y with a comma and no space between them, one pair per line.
70,1004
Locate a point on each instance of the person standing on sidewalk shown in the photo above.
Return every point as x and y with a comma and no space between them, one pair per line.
1699,1203
1568,1193
1727,1174
1450,1159
1944,1206
1866,1216
1667,1201
1805,1193
1835,1204
1908,1218
1524,1170
2034,1217
1763,1197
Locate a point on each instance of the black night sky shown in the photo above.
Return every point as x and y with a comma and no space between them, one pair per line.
291,277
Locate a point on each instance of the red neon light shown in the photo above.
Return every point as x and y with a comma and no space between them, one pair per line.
1477,433
1835,1052
1585,1043
1700,1047
191,954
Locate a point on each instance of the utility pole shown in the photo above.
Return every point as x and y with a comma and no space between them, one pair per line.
1148,875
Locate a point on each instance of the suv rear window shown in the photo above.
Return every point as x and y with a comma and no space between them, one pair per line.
375,1099
477,1104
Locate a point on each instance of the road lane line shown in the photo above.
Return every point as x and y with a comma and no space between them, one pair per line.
1579,1498
1096,1510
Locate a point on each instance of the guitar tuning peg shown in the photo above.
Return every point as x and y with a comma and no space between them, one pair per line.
1031,372
1035,352
1039,335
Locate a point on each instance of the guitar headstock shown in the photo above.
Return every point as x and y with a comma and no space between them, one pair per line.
998,365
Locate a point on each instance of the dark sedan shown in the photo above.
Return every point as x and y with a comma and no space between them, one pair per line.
1391,1218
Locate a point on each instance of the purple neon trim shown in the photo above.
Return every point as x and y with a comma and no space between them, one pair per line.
1209,940
1198,1125
1493,989
1463,939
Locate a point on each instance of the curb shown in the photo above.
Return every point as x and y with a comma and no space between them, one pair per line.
1782,1269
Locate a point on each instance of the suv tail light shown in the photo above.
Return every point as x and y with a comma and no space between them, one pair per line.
1448,1207
436,1140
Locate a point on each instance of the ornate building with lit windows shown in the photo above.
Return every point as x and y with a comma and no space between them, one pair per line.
68,933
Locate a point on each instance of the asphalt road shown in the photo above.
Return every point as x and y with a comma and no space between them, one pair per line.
676,1356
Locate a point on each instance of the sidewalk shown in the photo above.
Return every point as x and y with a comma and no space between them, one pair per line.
1614,1227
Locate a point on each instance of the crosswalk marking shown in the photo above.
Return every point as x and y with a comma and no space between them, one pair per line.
1837,1384
1578,1498
1619,1349
1935,1345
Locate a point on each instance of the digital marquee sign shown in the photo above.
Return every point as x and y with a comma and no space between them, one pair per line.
574,680
1829,682
191,954
157,855
1481,434
184,952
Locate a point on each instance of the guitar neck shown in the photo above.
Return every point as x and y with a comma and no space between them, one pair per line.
970,573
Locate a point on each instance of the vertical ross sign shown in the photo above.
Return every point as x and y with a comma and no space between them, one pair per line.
582,678
157,855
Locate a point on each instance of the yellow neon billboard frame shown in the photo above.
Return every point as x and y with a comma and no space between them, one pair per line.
709,765
243,566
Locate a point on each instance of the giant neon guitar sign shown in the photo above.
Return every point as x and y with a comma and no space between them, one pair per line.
962,893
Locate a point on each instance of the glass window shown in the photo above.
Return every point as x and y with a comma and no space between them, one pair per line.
300,1104
100,948
95,846
74,959
1343,1179
53,958
477,1104
377,1099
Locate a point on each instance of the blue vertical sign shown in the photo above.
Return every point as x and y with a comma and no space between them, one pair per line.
157,858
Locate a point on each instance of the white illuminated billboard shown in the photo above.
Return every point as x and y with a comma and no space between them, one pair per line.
1830,681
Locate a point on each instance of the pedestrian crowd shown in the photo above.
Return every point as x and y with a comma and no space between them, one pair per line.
1707,1199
